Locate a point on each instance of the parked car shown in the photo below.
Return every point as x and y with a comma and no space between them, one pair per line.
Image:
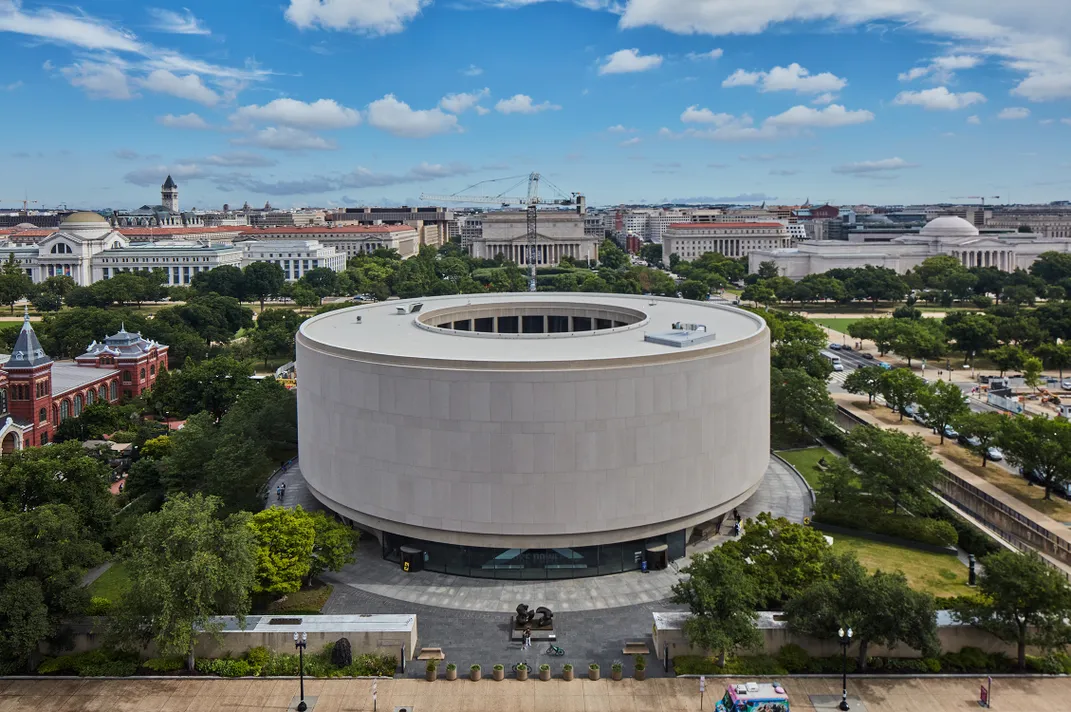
969,440
951,432
834,347
886,366
1066,384
910,409
994,454
920,417
868,356
846,347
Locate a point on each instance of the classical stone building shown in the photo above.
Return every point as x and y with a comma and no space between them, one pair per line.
37,393
560,233
945,235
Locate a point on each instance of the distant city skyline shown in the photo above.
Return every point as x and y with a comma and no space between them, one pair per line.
350,102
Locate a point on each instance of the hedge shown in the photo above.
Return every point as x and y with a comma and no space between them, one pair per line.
927,531
92,663
971,539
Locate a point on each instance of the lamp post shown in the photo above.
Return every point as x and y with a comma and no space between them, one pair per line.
301,642
845,641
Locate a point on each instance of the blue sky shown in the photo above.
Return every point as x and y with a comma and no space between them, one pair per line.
328,102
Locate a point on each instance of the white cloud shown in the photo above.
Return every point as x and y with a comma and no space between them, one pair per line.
1066,121
694,115
974,120
396,117
1028,37
733,128
150,175
1045,122
12,86
791,78
939,99
625,61
78,29
712,54
460,103
522,104
823,99
285,138
832,115
179,23
374,17
1014,112
630,141
185,121
481,111
188,87
882,166
942,68
99,80
619,128
317,115
472,71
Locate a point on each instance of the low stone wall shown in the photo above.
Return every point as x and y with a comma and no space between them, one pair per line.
668,630
387,634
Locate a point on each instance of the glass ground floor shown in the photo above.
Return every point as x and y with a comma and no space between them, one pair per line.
532,564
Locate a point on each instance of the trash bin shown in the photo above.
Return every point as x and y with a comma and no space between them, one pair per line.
657,556
412,559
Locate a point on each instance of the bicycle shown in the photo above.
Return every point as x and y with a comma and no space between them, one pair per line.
555,650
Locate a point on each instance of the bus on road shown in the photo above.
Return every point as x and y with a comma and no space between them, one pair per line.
833,359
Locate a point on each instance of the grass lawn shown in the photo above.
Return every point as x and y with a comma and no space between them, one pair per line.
307,601
806,461
111,584
840,325
943,575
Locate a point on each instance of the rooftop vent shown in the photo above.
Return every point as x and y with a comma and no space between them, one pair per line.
681,336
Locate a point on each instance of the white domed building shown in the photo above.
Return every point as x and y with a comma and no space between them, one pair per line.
70,249
944,235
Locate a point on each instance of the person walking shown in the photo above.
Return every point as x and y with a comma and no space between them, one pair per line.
526,639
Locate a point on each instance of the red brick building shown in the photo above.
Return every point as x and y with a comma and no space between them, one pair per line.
37,393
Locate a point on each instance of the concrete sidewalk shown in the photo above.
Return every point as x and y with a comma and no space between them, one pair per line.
663,695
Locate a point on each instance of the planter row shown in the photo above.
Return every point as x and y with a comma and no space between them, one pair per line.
499,673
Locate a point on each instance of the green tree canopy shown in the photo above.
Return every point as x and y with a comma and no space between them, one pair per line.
262,280
1023,599
893,465
880,608
944,403
186,565
722,598
334,545
800,401
900,388
226,280
986,426
1041,445
867,379
284,539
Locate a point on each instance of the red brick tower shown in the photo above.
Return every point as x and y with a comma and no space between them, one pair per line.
30,391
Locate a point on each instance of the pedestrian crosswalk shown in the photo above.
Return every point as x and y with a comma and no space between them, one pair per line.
840,376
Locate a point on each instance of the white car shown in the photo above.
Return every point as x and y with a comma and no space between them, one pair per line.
994,454
1066,384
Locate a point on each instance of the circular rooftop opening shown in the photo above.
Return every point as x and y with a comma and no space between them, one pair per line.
530,319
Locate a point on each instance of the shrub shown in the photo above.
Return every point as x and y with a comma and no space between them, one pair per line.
975,660
432,665
474,667
794,658
99,606
544,667
567,667
257,658
902,526
123,436
224,667
640,662
168,664
1046,665
593,666
92,663
498,667
617,666
695,665
970,539
451,666
754,665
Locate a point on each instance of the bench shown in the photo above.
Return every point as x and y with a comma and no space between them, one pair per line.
633,647
431,654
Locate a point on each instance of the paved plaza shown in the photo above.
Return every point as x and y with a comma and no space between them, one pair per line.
665,695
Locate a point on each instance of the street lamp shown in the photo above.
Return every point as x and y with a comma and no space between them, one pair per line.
845,641
301,642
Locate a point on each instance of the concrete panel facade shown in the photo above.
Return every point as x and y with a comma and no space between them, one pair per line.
540,454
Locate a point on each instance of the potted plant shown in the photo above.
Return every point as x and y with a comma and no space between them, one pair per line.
567,672
498,672
593,671
522,672
451,671
474,673
431,670
544,672
615,670
641,668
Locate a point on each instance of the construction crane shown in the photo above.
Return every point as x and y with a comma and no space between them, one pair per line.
25,203
530,202
983,198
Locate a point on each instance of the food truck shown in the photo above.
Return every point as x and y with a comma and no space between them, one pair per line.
753,697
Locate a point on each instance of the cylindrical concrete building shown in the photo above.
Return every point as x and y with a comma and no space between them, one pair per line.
543,435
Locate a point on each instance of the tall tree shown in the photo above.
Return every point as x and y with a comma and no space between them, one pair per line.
227,281
867,379
800,401
987,427
1007,358
14,282
784,557
943,403
1055,355
919,338
1023,599
284,540
44,552
900,388
893,465
262,280
881,609
973,333
722,598
1041,445
1032,375
186,565
213,385
334,545
839,481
